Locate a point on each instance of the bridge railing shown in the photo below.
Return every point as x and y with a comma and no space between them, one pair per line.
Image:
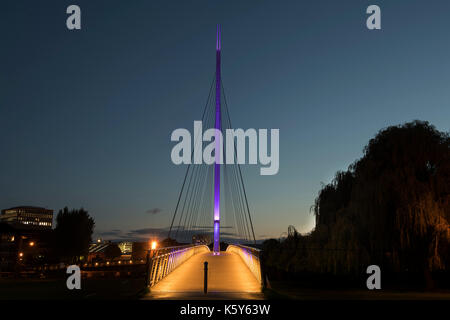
251,257
165,260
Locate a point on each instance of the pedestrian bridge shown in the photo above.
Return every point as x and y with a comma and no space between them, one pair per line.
201,204
179,272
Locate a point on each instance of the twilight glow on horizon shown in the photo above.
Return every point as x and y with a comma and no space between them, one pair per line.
86,116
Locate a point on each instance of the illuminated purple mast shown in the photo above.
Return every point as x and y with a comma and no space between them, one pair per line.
217,151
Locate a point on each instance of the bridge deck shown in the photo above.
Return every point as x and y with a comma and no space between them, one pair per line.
227,273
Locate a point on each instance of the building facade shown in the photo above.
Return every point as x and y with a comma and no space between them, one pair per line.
35,217
22,246
126,247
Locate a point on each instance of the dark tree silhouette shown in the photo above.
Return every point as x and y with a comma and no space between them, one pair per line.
391,208
112,251
73,234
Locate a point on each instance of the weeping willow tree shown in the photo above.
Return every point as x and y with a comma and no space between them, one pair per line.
392,207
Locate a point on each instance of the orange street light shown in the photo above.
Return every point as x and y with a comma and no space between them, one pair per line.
31,243
20,254
154,244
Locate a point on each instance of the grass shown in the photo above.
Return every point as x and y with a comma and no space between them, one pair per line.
294,291
42,289
133,288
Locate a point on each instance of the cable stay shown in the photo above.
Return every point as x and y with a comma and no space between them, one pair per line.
193,214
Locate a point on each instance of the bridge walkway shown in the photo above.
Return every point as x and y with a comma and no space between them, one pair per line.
228,277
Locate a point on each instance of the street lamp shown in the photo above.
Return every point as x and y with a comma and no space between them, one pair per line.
31,243
150,254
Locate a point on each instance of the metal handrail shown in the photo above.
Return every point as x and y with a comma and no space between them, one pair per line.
251,257
164,260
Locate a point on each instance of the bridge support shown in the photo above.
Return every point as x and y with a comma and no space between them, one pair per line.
218,126
216,237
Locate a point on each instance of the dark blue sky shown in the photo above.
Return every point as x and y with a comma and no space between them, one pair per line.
86,116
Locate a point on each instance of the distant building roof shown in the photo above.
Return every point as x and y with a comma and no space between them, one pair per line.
28,208
98,247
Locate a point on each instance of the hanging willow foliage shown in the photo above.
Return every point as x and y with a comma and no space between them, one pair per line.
392,206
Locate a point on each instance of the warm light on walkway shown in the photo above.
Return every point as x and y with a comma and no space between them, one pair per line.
226,273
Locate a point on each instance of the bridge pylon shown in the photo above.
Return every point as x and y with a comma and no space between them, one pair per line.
218,128
213,196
